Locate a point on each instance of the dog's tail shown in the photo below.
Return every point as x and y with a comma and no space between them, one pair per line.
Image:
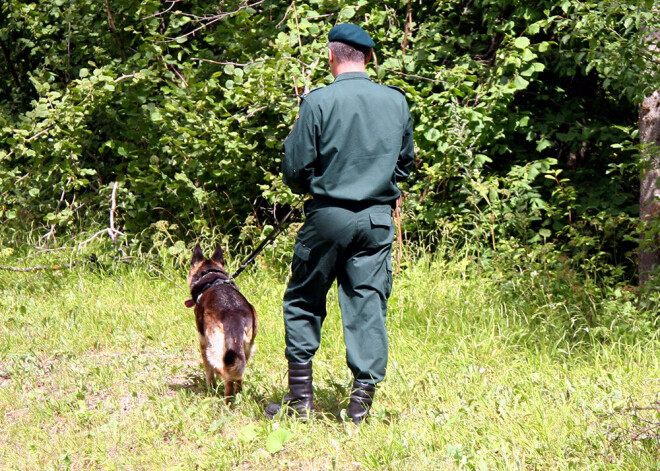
226,352
235,359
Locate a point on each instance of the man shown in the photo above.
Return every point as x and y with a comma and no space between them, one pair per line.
349,147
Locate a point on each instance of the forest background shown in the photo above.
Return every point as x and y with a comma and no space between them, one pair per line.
526,121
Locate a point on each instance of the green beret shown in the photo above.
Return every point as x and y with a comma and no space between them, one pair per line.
352,35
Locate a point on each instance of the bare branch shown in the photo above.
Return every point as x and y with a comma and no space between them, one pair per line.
236,64
213,19
30,139
38,267
93,237
165,276
124,77
286,13
416,76
183,79
252,113
111,230
160,13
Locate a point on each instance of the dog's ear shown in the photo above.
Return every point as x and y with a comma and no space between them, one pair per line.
218,255
198,255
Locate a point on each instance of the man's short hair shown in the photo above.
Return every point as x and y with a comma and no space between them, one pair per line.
346,53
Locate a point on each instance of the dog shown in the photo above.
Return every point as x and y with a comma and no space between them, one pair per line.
226,321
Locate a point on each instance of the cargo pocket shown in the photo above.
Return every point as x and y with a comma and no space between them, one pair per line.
380,220
388,285
382,229
300,259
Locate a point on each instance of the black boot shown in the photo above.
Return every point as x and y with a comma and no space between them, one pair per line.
300,397
362,396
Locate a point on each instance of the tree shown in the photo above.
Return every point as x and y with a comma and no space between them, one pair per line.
649,194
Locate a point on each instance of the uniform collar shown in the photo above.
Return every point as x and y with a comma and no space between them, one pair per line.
352,75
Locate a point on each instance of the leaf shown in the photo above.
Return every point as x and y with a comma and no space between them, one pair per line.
247,433
544,46
528,55
521,42
41,110
533,28
520,83
347,13
432,134
543,144
545,233
276,439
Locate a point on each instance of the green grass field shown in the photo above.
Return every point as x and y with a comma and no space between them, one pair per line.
100,369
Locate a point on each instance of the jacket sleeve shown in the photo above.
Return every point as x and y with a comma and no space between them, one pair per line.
300,150
407,152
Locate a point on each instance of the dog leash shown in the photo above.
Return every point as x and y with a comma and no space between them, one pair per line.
269,238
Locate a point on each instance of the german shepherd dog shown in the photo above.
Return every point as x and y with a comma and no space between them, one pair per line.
226,321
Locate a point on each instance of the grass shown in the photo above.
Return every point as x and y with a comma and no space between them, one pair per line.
99,369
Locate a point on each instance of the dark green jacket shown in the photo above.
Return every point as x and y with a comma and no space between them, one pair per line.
353,141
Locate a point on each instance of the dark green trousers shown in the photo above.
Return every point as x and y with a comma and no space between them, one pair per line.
351,243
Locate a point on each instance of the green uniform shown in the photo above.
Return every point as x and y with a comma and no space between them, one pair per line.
349,147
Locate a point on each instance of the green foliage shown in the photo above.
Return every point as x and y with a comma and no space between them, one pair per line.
524,115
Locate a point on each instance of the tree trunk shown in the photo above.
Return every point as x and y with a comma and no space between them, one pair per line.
649,195
10,64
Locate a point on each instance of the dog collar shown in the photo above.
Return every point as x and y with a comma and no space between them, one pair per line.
199,291
218,281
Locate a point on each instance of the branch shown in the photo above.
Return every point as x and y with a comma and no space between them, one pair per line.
111,230
115,33
165,276
236,64
176,71
252,113
406,31
286,13
10,64
399,233
124,77
29,140
213,19
416,76
160,13
38,267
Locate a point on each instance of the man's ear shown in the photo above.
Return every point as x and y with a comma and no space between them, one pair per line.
331,55
198,255
367,58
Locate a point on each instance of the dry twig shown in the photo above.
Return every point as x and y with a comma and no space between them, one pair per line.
209,20
165,276
38,267
112,231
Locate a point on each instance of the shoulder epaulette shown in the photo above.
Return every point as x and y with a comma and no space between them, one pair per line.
394,87
312,90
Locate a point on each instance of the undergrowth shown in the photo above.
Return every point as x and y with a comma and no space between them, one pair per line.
489,368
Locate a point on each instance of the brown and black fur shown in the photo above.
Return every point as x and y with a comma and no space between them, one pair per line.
226,321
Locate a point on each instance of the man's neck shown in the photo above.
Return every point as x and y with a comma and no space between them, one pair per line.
349,67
